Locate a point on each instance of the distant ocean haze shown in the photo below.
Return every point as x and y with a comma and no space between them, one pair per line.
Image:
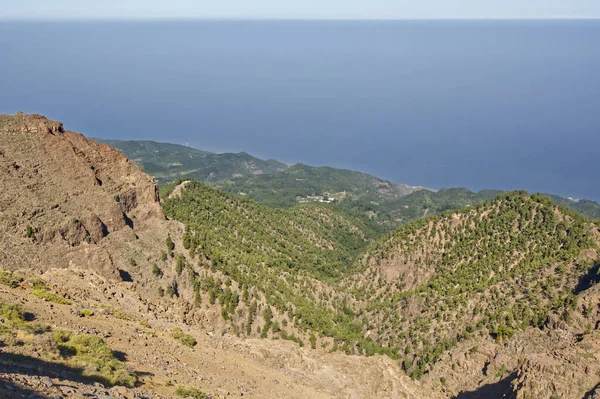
477,104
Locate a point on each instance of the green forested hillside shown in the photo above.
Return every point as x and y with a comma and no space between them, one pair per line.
269,182
488,269
419,204
343,261
310,239
169,162
426,203
303,183
287,259
590,209
279,185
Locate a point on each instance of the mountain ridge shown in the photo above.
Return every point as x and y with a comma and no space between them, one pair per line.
386,203
178,161
230,172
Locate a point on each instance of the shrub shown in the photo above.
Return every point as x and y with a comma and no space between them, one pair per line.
119,314
184,338
180,264
292,337
10,279
313,341
12,313
170,291
95,357
170,244
268,316
502,371
503,333
275,327
49,296
186,392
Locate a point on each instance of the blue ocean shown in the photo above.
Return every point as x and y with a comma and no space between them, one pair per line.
476,104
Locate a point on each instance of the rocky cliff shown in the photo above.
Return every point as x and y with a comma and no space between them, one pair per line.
62,195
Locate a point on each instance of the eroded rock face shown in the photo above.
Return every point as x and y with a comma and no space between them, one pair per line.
22,122
61,194
548,376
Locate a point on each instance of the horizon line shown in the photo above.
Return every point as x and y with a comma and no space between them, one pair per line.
232,19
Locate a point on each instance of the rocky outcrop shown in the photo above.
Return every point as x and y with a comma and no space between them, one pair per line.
561,375
22,122
62,194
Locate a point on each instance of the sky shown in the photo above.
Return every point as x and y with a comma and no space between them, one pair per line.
297,9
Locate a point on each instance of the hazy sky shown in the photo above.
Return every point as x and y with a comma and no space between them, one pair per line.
298,9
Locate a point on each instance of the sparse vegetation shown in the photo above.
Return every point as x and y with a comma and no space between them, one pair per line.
117,313
89,353
14,319
170,291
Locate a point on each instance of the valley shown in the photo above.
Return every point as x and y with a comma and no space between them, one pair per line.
116,289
